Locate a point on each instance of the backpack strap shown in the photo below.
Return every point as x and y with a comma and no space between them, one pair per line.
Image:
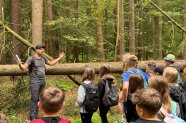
173,107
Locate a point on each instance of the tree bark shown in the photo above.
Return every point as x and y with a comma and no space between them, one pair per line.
100,44
76,48
68,47
51,43
121,29
15,17
131,27
37,18
184,35
2,60
158,42
78,68
140,34
99,32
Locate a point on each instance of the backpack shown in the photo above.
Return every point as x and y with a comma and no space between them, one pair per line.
91,101
110,97
183,100
139,71
170,118
42,121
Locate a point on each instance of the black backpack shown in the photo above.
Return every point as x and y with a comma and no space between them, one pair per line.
110,97
91,101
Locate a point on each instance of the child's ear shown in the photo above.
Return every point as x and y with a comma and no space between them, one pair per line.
62,106
40,106
139,111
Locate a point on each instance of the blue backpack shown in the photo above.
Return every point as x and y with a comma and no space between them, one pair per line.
139,71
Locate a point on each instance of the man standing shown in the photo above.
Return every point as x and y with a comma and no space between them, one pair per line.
169,62
36,66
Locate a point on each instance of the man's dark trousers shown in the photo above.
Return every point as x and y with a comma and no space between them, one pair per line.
36,86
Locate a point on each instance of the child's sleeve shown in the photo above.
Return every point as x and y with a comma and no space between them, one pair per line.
81,95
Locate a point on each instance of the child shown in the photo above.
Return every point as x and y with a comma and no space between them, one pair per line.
88,78
51,102
161,85
135,83
105,75
148,103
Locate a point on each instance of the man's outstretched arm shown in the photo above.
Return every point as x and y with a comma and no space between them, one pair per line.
53,62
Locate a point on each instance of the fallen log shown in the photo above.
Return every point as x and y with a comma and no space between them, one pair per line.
78,68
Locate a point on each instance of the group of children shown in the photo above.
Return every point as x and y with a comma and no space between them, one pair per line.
143,98
165,80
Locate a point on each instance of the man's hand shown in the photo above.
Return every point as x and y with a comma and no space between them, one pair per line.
61,55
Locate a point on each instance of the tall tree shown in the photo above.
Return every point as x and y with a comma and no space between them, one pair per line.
131,27
119,48
88,25
184,35
68,47
140,33
158,25
51,43
1,33
76,48
37,18
15,17
99,32
121,29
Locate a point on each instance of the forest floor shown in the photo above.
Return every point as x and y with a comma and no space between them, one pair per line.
15,99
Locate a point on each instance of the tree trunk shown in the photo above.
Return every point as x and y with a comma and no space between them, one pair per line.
99,32
51,43
2,60
158,25
37,18
15,17
184,35
89,24
100,43
131,27
121,29
78,68
76,48
68,47
140,34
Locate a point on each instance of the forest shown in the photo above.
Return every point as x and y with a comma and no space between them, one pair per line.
87,31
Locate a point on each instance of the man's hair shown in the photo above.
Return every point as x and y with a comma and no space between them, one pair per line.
52,99
135,82
132,61
171,74
89,74
148,99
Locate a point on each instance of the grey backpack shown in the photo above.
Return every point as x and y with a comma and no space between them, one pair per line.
110,97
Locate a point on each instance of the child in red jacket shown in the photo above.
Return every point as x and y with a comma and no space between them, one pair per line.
51,102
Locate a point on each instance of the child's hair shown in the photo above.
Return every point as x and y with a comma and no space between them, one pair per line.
161,85
104,69
135,82
148,99
171,74
89,74
52,99
132,61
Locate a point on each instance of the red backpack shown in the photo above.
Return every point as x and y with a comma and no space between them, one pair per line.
42,121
